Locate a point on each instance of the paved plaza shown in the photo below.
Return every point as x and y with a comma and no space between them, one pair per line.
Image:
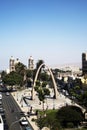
49,103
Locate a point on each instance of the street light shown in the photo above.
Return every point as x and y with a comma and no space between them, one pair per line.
13,123
22,101
53,104
17,96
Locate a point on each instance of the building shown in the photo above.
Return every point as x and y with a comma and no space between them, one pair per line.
84,63
30,63
12,63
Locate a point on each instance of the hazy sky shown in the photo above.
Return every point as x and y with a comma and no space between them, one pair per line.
52,30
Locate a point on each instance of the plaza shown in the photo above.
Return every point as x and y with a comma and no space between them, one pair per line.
50,103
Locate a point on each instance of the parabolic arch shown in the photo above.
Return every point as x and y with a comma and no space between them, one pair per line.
54,83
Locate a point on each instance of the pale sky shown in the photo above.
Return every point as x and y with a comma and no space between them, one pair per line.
52,30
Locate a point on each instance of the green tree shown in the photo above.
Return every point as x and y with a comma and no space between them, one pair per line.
52,122
38,83
46,91
84,99
38,65
41,122
44,76
29,73
29,78
42,92
44,84
49,121
20,68
3,74
13,78
70,114
41,95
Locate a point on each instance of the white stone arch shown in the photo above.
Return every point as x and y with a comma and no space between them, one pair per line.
54,83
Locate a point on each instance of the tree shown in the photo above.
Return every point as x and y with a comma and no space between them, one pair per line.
41,95
49,121
70,114
3,74
44,76
29,73
13,78
38,83
29,78
40,122
42,92
46,91
38,65
52,122
78,82
44,84
20,68
84,99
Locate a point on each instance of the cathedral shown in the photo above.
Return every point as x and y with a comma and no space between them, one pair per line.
13,62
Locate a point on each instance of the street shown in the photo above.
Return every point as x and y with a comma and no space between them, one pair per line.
12,113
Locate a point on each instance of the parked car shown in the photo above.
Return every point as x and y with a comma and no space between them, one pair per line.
2,112
0,96
7,93
28,128
0,102
23,121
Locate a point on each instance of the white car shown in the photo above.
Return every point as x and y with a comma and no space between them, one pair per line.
7,94
0,96
23,121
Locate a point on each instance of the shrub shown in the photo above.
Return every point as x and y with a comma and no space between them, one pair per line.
70,125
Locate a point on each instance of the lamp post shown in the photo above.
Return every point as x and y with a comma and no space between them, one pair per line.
17,96
13,123
53,104
22,101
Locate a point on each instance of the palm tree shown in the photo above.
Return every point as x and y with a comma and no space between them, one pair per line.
20,68
39,63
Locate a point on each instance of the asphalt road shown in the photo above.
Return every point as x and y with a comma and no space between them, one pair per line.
12,113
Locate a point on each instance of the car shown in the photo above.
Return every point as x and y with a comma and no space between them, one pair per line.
7,93
28,128
0,102
23,121
2,112
0,96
